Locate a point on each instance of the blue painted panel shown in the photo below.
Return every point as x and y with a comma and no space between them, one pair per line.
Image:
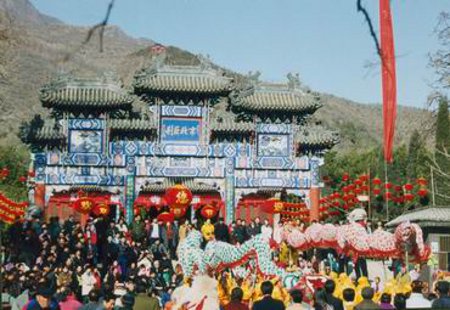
181,130
83,123
184,111
273,128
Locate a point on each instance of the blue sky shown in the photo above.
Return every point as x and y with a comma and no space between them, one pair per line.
326,41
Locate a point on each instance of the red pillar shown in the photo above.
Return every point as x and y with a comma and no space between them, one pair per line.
248,215
314,197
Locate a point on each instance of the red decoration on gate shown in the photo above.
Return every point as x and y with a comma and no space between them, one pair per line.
101,209
84,205
272,206
178,196
166,217
209,211
178,212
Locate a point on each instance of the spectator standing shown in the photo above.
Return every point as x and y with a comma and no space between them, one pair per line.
400,302
443,302
70,302
266,230
236,300
330,286
367,294
348,295
297,301
385,302
267,302
221,231
145,301
416,299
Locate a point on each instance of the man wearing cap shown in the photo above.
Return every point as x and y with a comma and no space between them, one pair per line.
43,299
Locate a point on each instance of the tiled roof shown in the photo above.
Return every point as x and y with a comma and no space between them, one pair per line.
195,187
66,91
132,124
316,136
225,121
425,217
186,79
50,131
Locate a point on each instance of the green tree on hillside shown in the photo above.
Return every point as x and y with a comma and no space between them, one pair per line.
442,151
418,161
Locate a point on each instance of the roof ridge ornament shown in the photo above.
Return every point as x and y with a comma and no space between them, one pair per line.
253,77
110,76
205,62
293,81
159,60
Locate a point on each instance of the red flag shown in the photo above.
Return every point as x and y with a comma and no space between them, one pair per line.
388,78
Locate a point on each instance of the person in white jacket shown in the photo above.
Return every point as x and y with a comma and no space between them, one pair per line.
266,230
88,282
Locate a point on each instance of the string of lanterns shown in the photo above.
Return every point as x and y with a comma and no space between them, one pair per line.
352,192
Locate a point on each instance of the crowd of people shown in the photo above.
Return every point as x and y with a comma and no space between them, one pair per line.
112,265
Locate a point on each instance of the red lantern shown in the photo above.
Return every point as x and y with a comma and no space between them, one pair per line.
273,205
398,188
178,196
336,195
84,205
101,209
31,174
376,191
387,185
358,182
376,181
364,177
364,188
422,192
22,179
345,189
209,211
422,181
345,177
388,195
409,187
178,212
165,217
336,203
409,197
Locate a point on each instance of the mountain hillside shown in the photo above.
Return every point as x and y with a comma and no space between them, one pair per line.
34,47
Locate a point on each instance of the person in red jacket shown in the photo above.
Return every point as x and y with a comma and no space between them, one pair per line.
236,300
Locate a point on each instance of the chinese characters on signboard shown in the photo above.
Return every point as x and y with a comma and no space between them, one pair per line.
180,129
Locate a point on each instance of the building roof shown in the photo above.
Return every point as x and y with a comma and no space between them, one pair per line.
425,217
195,187
141,125
50,131
224,121
282,97
315,135
201,79
66,92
